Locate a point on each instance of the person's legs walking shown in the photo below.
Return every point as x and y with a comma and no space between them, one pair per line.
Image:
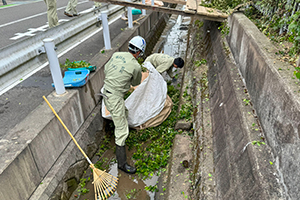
68,9
52,13
71,10
74,10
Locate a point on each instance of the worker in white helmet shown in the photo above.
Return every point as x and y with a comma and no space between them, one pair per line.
122,71
163,62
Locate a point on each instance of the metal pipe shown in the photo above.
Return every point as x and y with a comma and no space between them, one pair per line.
54,66
143,10
106,35
129,14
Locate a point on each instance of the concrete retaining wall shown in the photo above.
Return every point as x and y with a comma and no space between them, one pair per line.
37,153
242,170
274,95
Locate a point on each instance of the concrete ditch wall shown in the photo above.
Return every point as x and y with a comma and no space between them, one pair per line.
203,175
242,170
37,154
274,95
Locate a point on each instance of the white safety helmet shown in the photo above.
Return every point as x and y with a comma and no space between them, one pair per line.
137,44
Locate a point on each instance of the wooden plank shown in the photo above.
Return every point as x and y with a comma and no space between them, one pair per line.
182,2
137,20
201,10
191,4
215,12
164,10
207,16
211,12
147,7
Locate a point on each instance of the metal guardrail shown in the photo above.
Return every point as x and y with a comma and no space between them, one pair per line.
23,58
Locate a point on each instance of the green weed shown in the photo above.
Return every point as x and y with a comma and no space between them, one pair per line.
151,188
132,194
82,184
153,144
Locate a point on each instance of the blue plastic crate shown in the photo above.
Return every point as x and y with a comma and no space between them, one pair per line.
76,78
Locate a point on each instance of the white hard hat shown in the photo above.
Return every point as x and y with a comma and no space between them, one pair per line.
137,43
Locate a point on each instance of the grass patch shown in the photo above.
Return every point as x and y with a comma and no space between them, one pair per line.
8,5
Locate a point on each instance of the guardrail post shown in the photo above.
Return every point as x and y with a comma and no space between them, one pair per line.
54,66
143,10
129,14
106,35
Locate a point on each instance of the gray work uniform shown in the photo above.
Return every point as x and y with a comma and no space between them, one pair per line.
71,7
121,71
162,62
51,13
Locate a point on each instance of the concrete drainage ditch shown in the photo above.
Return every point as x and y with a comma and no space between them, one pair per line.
132,186
226,153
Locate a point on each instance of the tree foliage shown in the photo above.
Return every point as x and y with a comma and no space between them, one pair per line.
223,5
278,19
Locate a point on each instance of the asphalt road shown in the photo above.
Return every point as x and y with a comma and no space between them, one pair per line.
16,19
22,99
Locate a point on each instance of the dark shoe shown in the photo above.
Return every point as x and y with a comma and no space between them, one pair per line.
68,14
121,158
75,15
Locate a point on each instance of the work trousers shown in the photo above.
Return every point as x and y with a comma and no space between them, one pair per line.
51,13
71,7
116,106
97,4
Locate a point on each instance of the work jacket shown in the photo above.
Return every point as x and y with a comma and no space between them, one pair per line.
121,71
162,62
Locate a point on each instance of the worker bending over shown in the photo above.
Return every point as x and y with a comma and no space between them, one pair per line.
163,62
122,71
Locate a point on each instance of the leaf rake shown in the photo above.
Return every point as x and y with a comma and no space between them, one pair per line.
104,183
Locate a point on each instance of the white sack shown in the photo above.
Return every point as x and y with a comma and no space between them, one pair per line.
147,100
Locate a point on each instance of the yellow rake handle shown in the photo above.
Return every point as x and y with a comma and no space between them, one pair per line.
67,130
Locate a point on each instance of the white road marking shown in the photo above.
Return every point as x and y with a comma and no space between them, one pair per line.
31,31
20,35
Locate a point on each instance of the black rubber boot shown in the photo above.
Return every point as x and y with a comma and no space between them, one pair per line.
121,158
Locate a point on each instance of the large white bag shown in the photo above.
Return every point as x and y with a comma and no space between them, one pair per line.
147,100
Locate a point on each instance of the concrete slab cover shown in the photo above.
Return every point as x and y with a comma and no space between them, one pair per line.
178,187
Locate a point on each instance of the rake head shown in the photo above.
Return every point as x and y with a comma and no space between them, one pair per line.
105,184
